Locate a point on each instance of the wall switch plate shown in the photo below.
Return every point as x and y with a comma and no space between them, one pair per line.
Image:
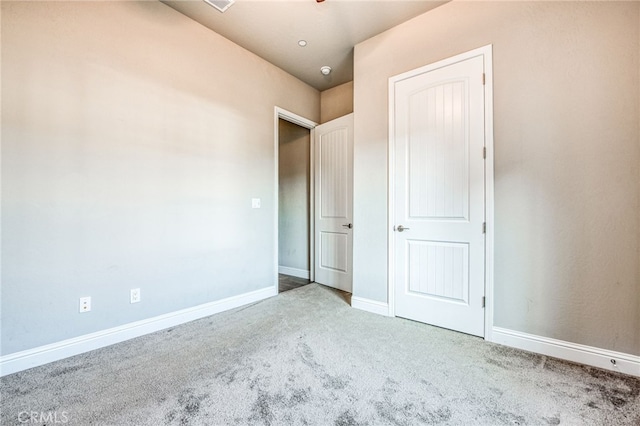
135,295
255,203
85,304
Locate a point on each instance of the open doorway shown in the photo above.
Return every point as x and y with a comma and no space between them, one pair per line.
294,200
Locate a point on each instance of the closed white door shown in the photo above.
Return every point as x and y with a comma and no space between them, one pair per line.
439,195
334,203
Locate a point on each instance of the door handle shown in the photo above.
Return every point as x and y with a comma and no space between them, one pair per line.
401,228
348,225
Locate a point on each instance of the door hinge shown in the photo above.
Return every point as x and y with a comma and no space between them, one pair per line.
484,152
484,227
483,79
484,301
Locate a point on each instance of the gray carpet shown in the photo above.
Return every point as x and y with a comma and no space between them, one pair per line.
306,358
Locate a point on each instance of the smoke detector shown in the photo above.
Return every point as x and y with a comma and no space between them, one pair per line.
325,70
221,5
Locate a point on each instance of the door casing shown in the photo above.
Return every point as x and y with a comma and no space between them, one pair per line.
486,52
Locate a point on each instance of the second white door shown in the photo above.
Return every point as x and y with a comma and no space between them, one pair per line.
439,195
334,203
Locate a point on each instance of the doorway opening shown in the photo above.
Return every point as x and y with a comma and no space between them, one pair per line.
294,200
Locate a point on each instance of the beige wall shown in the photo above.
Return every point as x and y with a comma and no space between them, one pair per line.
566,108
336,102
293,200
133,140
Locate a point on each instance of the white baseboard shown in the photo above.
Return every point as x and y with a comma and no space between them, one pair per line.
589,355
294,272
23,360
369,305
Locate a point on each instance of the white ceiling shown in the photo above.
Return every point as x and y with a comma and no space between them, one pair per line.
271,29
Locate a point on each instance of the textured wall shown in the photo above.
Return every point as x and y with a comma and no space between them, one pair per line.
566,108
133,140
293,200
336,102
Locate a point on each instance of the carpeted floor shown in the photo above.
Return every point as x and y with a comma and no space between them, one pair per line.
306,358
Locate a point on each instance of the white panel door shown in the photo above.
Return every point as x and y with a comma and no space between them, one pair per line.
439,195
334,203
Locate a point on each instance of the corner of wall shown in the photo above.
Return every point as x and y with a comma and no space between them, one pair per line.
336,102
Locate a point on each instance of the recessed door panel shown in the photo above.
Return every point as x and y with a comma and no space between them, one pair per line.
334,167
333,251
438,148
439,270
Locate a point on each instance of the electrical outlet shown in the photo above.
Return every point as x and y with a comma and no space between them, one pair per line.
255,203
135,295
85,304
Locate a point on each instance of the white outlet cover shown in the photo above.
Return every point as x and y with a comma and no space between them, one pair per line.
85,304
135,295
255,203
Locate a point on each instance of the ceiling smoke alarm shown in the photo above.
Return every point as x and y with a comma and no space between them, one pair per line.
325,70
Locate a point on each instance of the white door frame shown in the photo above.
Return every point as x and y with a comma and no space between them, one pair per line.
280,113
485,51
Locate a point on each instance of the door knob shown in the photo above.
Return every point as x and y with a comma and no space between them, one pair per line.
401,228
348,225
